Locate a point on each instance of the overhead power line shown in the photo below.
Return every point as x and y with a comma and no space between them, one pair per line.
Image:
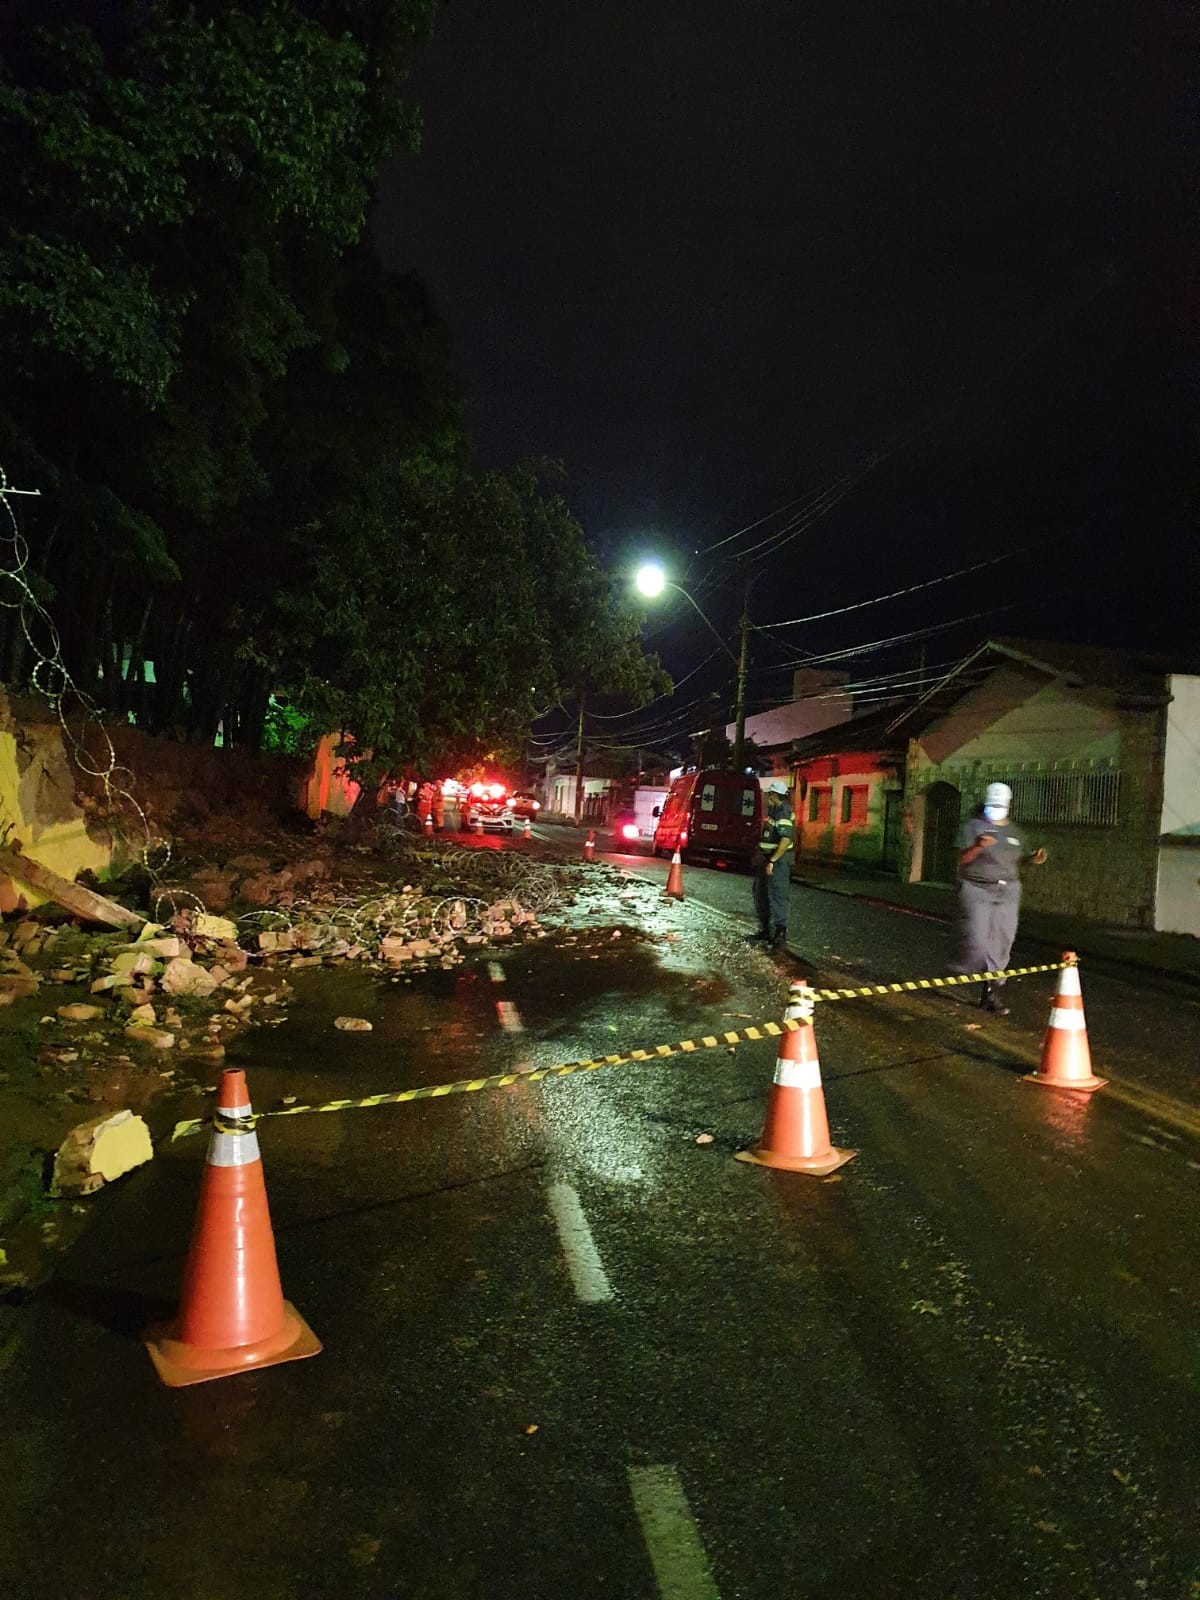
894,594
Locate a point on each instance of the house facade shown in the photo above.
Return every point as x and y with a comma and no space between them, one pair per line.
1081,737
1177,905
849,795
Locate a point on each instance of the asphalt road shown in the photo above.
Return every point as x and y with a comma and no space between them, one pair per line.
573,1349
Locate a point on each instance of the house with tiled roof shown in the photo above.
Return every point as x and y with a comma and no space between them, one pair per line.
1100,747
1085,737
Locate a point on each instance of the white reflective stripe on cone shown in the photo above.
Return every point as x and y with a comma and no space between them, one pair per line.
797,1074
233,1150
1069,1021
1068,983
235,1113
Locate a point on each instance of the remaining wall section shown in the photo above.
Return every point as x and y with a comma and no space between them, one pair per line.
38,804
1177,909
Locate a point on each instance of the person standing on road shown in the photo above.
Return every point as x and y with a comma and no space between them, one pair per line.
773,868
424,801
991,854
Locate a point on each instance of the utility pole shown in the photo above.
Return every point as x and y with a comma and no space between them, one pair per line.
739,737
579,761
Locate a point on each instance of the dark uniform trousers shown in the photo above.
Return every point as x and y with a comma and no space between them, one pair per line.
773,894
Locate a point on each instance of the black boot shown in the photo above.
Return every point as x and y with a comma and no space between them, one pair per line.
761,937
989,1000
779,939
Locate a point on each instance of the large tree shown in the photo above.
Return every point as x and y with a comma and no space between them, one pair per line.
444,610
181,184
247,434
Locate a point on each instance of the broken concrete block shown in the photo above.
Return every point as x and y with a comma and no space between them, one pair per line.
16,986
268,940
80,1013
206,926
232,957
166,948
61,975
185,976
112,981
395,947
250,863
143,1013
156,1038
259,891
353,1024
98,1151
134,963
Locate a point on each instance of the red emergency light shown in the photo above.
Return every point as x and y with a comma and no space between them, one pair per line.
629,830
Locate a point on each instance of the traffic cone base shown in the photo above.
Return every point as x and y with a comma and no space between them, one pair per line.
816,1166
1066,1059
180,1364
1086,1085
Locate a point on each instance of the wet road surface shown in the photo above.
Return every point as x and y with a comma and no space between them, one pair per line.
572,1352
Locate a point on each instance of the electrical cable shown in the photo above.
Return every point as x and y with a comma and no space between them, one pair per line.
895,594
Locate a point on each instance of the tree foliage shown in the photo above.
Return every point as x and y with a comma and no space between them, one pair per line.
248,434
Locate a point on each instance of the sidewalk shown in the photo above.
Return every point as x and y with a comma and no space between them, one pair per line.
1175,956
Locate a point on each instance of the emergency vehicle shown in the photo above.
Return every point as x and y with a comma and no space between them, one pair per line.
713,813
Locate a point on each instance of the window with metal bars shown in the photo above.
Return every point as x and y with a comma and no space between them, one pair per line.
854,803
1085,799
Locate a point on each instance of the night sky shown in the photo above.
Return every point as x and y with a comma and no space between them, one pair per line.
715,257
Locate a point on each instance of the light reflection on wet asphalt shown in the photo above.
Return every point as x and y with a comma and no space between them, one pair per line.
965,1364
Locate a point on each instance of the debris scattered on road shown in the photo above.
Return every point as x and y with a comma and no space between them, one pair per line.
704,1138
97,1152
80,1013
353,1024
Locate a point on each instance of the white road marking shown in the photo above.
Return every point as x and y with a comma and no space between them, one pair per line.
579,1248
510,1017
676,1553
495,972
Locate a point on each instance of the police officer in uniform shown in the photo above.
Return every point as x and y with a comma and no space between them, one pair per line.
991,854
773,868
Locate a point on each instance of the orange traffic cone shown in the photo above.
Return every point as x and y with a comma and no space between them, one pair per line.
527,830
429,822
674,887
795,1135
589,845
1066,1060
232,1314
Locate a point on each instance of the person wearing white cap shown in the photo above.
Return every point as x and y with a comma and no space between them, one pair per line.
991,854
773,868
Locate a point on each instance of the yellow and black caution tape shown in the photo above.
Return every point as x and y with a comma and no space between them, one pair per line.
708,1041
914,985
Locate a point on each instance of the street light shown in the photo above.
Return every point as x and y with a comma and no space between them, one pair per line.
651,580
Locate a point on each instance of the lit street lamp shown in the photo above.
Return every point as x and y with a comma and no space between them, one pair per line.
651,580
